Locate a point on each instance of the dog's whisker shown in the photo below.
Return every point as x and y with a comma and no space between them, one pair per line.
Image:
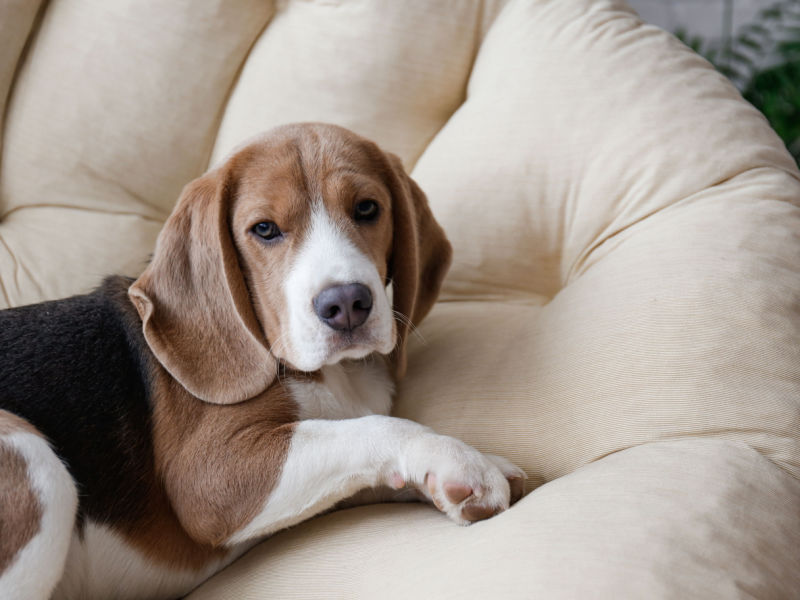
411,327
281,373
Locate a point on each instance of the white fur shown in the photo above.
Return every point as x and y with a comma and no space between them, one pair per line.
328,257
347,390
101,565
38,566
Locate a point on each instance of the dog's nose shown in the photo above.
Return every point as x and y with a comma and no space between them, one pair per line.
344,307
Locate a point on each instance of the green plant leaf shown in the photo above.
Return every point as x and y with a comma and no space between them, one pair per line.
750,42
776,93
757,29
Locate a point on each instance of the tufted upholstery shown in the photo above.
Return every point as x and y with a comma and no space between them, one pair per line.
622,318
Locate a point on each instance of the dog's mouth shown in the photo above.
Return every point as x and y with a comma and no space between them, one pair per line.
350,344
317,338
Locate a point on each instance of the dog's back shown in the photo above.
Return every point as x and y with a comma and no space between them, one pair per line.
73,369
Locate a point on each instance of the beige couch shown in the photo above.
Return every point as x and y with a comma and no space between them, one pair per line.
622,318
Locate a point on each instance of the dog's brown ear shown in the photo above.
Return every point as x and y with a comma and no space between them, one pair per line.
194,304
420,258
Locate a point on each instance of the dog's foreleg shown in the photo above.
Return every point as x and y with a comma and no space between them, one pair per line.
329,461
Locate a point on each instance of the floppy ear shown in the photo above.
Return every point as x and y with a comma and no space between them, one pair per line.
194,303
420,257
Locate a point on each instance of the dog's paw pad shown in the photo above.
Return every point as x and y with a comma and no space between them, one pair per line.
464,503
457,492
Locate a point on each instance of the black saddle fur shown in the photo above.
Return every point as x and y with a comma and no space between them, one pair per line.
77,369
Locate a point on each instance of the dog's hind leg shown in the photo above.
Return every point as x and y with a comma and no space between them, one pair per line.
38,503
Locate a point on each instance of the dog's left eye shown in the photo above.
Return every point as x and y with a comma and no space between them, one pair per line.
366,210
266,230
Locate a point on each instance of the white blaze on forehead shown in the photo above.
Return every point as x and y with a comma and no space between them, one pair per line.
331,252
327,257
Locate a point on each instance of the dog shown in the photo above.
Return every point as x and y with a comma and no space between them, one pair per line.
155,429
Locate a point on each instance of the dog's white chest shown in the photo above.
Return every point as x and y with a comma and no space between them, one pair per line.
347,390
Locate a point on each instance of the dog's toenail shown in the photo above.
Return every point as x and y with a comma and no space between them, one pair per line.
477,512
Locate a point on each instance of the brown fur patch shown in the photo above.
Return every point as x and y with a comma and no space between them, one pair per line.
215,467
20,508
420,258
219,463
197,314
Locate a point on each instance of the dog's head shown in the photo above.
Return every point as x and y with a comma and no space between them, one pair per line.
285,252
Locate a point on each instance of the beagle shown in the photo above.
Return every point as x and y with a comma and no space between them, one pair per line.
154,430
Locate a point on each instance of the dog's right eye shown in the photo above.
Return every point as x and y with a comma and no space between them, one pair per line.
266,230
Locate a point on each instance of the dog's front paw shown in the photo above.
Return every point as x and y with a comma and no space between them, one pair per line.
460,481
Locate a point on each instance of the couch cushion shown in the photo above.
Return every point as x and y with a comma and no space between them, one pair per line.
16,21
114,109
391,71
629,231
579,123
